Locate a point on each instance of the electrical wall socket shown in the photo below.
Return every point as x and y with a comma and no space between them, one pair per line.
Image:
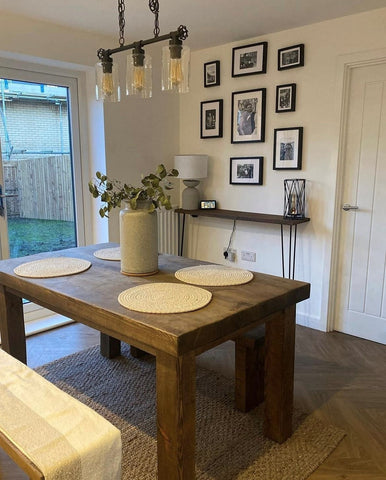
248,256
231,254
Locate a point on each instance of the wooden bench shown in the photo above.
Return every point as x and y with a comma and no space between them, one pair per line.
50,434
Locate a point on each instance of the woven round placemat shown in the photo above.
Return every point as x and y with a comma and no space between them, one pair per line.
214,275
52,267
109,254
164,298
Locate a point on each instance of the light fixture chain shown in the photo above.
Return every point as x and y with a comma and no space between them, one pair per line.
154,8
121,21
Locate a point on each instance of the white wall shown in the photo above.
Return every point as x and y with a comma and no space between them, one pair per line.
318,112
139,134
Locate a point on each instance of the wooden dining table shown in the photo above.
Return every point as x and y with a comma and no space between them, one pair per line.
91,298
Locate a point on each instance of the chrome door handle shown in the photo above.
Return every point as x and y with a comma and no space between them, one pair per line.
347,207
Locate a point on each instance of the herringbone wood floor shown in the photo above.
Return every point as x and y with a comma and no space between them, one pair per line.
340,378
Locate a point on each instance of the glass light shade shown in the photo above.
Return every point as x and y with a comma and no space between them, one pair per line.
139,78
191,166
107,84
175,71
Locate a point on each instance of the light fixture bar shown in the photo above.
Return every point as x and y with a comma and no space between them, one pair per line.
180,34
175,62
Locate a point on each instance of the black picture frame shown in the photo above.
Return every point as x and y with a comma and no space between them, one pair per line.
212,74
288,148
249,59
248,128
211,119
285,98
246,170
290,57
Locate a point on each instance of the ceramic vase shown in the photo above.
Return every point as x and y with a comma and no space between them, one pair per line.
138,240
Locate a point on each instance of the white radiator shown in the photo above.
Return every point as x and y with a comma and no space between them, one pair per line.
167,231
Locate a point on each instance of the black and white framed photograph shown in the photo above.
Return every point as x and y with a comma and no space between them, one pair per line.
212,73
287,148
249,59
290,57
246,171
211,119
248,116
285,98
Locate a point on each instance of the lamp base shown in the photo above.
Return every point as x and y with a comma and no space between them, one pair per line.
190,196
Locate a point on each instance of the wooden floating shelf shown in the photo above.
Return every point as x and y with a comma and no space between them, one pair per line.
244,216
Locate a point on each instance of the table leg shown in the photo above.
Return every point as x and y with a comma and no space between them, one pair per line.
110,347
249,372
279,374
176,410
137,352
12,325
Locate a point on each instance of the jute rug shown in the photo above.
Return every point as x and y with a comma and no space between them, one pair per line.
230,444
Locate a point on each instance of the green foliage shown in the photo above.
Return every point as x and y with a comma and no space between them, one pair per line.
113,192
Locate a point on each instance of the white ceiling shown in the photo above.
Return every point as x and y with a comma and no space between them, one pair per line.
210,22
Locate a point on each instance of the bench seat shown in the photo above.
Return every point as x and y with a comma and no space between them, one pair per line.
51,435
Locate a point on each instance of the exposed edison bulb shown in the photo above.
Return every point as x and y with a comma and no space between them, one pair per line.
107,84
175,72
293,204
139,78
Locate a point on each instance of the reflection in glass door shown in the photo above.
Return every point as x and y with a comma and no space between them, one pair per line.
37,191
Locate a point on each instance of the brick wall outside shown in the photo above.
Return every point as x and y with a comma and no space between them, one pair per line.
35,125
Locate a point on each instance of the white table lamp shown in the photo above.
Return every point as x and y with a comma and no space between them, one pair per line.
191,168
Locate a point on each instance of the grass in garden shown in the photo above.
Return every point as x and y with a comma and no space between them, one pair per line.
28,236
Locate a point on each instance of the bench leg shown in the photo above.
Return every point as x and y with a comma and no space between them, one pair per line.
249,372
110,347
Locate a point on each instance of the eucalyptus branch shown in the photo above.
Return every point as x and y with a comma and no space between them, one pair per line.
113,192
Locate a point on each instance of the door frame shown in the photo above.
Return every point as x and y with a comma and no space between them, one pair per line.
345,65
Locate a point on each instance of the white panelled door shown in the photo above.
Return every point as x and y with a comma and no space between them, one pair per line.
361,295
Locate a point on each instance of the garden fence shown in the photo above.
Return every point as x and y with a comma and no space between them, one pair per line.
43,188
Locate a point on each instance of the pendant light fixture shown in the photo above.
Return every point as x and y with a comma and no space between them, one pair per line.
175,62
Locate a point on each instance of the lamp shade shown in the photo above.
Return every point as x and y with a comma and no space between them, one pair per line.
191,166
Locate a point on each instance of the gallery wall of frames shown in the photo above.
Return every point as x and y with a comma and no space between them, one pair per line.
248,111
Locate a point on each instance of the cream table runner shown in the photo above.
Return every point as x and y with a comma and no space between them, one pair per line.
64,438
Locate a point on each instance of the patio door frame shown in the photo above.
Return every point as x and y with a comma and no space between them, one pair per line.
42,74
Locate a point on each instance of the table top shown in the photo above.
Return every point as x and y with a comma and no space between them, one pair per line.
91,297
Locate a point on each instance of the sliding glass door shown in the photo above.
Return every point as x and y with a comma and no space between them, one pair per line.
40,172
